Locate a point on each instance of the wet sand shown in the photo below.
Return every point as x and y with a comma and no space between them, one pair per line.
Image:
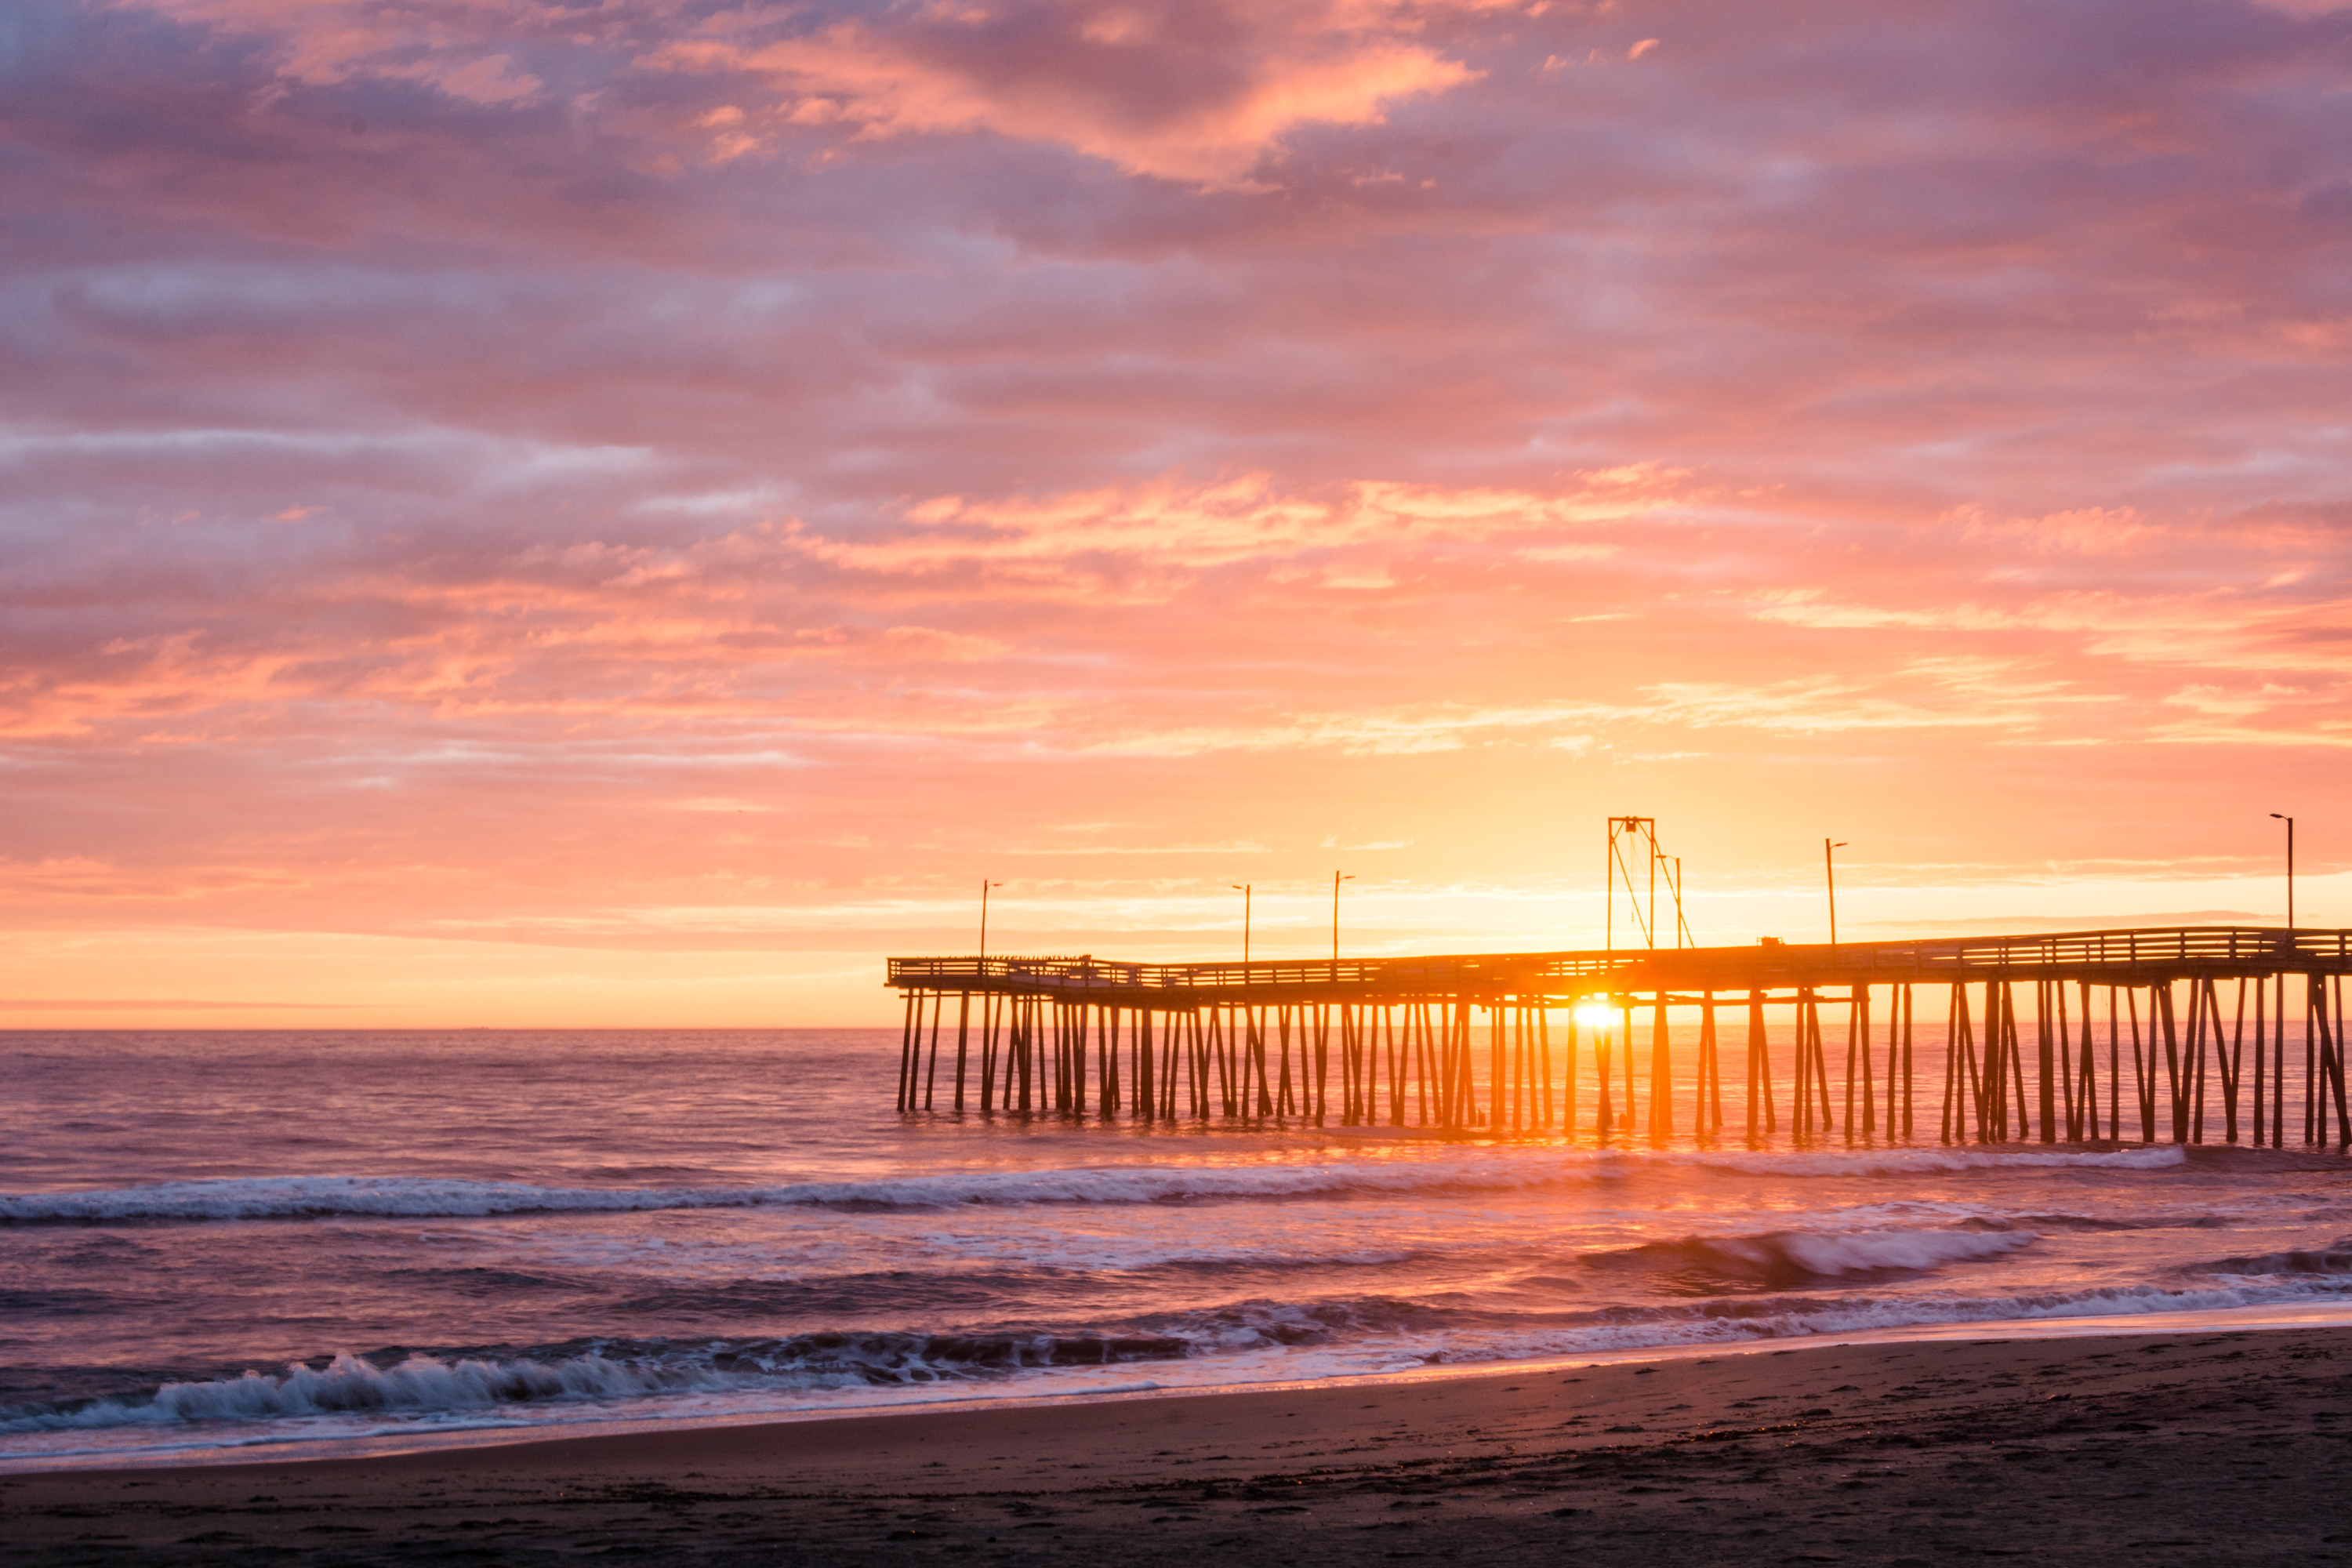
2203,1448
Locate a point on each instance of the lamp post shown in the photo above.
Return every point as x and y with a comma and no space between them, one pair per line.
1336,880
2282,817
984,886
1243,889
1829,869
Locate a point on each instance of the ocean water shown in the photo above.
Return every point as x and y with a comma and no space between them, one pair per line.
214,1243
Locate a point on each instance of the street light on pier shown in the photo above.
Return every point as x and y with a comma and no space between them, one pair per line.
984,886
2282,817
1243,889
1336,880
1829,869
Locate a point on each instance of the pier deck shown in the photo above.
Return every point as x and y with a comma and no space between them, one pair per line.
1259,1042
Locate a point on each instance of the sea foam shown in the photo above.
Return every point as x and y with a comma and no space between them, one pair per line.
306,1197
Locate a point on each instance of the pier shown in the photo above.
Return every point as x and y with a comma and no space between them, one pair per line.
2181,1035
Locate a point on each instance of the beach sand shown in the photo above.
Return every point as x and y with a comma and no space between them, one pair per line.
2204,1448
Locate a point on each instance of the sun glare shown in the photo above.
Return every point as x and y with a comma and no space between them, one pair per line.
1596,1016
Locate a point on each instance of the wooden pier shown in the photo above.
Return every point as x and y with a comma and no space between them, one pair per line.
2076,1037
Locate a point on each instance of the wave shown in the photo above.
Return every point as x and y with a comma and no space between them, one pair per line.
2336,1259
1309,1340
416,1198
424,1385
1750,1320
1781,1258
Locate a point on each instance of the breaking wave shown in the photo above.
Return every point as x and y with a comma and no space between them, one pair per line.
2336,1259
413,1198
1316,1339
1783,1259
426,1384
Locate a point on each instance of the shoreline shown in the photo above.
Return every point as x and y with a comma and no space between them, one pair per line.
2221,1440
1140,1387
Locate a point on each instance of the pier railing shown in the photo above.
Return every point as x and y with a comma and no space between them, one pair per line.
2122,955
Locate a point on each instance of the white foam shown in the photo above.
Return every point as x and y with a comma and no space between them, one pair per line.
419,1384
296,1197
1855,1252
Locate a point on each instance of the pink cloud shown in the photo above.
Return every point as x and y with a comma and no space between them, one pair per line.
438,437
1199,93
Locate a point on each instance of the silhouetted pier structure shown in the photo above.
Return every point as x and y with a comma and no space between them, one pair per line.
2038,1032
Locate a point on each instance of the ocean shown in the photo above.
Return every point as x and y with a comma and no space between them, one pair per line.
292,1242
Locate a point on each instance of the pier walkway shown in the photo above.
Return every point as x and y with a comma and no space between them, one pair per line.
2155,1023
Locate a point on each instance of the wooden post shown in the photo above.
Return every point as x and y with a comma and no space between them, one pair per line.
1897,996
2016,1055
2314,1057
1257,1055
1953,1124
1107,1058
2261,1056
963,1043
1347,1069
2161,1002
2232,1073
1626,1013
2063,1049
1805,1125
1820,1062
1283,1103
1322,1059
1395,1063
2143,1062
1453,1019
988,1053
1523,1097
1853,1049
2336,1054
2201,1023
1172,1061
1452,1108
1543,1059
1025,1026
1801,1122
1055,1093
1603,1123
1858,1028
1995,1064
1497,1083
932,1075
1662,1083
1710,1071
2315,1120
907,1045
2088,1091
2046,1060
2331,1058
2116,1070
1146,1083
1568,1076
1907,1061
1997,1045
2278,1069
1759,1070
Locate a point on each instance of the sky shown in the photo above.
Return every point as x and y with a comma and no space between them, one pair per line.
626,512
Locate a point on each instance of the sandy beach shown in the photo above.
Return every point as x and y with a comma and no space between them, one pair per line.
2211,1446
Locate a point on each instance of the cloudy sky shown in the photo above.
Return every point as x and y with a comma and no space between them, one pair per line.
625,512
